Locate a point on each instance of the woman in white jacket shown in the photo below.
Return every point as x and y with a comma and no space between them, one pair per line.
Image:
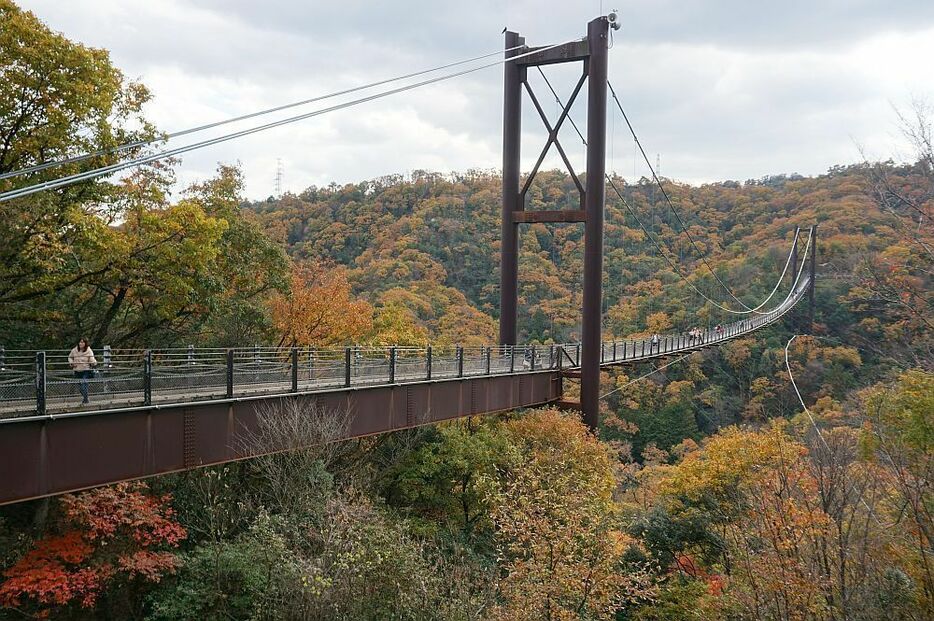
82,360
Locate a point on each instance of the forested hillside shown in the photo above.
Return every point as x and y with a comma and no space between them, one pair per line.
429,244
709,492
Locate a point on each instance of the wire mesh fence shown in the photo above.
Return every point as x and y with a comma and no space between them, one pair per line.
48,381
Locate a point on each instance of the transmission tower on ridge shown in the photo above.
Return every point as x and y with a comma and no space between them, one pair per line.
278,177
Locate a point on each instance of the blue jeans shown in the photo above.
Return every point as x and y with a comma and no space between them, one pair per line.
83,377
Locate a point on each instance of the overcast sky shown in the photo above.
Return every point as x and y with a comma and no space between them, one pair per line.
721,89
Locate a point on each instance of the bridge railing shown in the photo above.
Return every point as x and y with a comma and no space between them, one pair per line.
44,382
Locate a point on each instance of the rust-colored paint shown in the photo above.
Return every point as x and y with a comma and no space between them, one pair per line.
44,457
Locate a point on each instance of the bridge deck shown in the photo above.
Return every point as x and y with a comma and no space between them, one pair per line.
192,410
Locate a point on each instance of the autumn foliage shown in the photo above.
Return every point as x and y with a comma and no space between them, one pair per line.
111,533
320,309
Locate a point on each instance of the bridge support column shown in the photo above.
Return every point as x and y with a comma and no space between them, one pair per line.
593,54
794,256
592,323
513,77
812,271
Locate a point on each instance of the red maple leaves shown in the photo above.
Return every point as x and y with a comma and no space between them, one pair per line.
117,530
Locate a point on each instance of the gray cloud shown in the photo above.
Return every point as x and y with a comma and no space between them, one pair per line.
722,89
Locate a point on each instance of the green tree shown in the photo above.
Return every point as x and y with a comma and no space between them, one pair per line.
57,99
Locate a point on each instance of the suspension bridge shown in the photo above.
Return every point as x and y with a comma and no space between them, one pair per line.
156,411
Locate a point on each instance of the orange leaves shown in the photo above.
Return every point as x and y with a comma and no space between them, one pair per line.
43,573
737,352
320,310
110,531
123,507
147,564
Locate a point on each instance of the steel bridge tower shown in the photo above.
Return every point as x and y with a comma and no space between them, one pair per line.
592,53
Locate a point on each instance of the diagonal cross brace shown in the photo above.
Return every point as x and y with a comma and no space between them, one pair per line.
553,138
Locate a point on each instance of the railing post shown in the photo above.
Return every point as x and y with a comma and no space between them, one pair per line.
460,361
560,357
532,366
625,347
392,365
428,363
2,358
551,356
643,348
512,358
347,355
147,377
578,354
489,356
108,357
614,351
40,382
191,354
293,356
230,373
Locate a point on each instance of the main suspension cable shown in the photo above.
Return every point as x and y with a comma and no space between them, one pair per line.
668,200
652,239
184,132
106,170
677,270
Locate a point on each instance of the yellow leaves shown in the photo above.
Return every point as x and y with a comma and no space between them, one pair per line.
902,417
465,325
730,458
737,352
679,390
556,523
657,323
394,324
847,356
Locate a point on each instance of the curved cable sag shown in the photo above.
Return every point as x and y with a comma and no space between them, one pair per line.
644,230
106,170
677,270
668,200
140,143
781,306
794,245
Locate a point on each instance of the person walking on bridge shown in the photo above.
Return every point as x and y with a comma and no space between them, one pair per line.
82,360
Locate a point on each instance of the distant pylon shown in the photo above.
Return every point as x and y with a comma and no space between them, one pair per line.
658,164
278,177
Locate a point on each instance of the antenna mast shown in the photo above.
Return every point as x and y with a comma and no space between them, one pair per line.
278,177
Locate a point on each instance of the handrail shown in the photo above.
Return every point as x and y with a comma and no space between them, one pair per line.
41,382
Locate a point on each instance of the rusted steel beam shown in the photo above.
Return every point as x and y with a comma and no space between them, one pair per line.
575,50
513,77
592,320
812,270
44,456
557,215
